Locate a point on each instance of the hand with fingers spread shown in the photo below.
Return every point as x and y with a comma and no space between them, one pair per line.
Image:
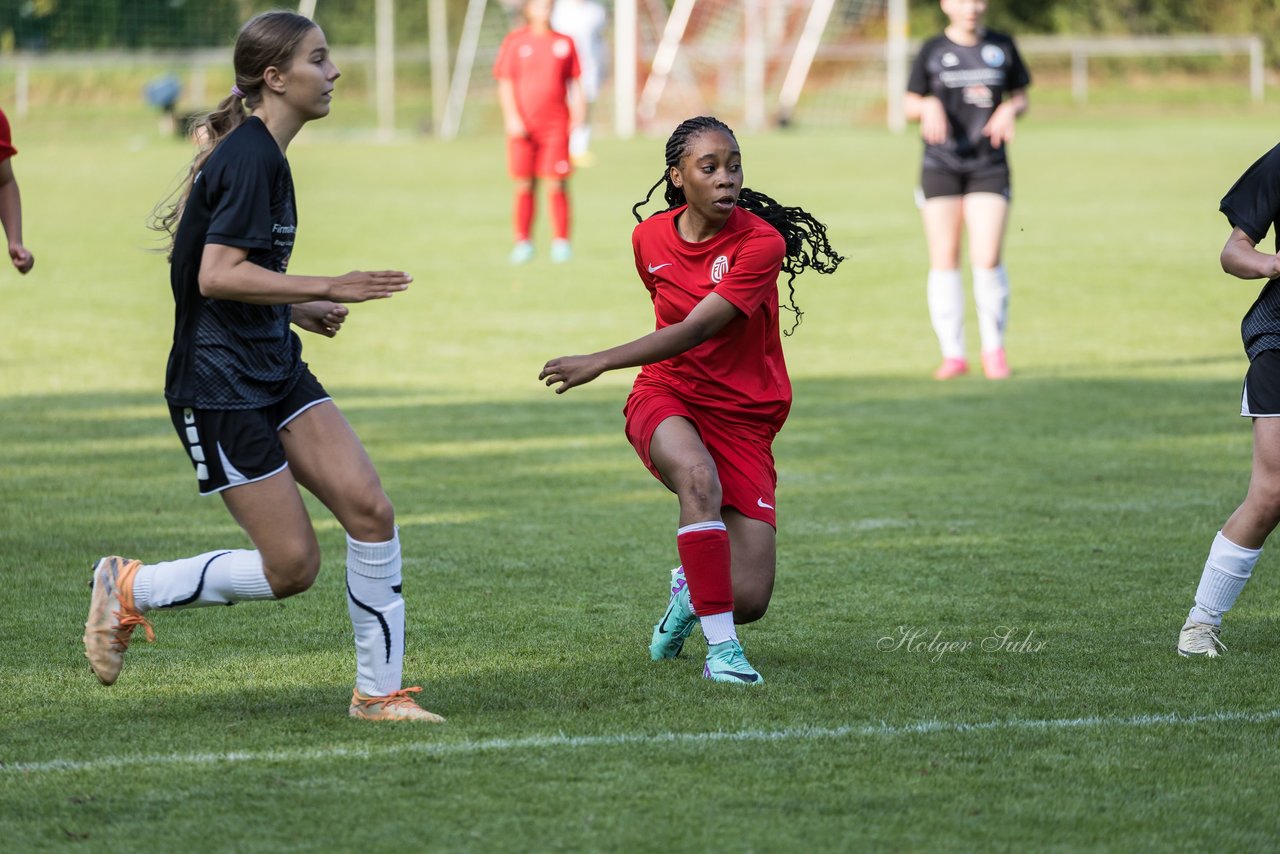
321,317
361,285
571,371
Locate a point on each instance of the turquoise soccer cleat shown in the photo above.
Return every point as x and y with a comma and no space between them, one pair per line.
561,251
521,253
677,623
726,663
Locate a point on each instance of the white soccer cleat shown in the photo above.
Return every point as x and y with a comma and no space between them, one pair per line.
1200,639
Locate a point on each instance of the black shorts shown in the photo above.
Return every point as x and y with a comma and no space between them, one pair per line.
229,447
935,183
1261,395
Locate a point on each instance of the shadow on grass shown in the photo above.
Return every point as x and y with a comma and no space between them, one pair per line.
537,546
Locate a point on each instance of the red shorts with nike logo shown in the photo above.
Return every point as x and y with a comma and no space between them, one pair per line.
742,450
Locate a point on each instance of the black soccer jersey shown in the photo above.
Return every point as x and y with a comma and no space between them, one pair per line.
971,81
228,354
1253,206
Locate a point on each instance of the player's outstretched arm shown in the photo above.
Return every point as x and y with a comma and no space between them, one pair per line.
227,273
1241,258
707,318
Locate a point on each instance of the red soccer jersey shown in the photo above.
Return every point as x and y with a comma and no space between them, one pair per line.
6,139
539,66
739,371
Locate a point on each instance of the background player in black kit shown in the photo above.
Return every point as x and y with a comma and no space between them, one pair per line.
253,419
1252,206
967,88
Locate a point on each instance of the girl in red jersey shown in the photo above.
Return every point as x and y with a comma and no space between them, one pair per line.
542,102
713,390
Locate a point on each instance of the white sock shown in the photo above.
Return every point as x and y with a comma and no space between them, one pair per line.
579,140
946,310
377,614
991,297
1225,572
213,578
718,628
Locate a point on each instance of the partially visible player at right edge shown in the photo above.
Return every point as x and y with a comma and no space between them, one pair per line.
713,390
1252,206
967,88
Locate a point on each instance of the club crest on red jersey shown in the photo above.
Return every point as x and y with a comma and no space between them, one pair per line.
560,49
719,268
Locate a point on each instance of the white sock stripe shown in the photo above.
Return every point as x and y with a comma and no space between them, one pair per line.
700,526
545,742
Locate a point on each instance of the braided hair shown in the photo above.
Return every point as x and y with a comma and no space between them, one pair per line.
805,236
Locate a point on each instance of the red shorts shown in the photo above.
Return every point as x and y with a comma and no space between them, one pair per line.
544,153
742,450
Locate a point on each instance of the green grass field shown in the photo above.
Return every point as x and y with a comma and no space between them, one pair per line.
1073,504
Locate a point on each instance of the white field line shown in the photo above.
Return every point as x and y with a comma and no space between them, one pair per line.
571,742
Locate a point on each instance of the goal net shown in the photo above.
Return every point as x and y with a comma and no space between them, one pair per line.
762,62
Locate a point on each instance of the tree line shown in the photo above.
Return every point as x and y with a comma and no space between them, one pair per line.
175,24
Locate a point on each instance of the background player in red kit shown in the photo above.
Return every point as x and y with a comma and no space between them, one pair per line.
713,390
542,100
11,202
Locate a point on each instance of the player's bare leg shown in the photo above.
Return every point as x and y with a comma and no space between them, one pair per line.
703,542
328,459
754,545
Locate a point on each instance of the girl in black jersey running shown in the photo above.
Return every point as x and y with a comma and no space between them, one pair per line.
255,422
967,89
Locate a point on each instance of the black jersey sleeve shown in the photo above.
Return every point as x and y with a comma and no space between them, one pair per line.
1253,202
918,80
1019,77
240,200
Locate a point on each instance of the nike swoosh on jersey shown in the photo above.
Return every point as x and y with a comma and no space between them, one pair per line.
653,269
760,503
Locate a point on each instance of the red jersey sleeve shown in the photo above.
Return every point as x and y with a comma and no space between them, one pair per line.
573,68
502,65
753,273
6,138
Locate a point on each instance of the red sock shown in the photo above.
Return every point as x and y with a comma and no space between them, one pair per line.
524,214
704,551
559,201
